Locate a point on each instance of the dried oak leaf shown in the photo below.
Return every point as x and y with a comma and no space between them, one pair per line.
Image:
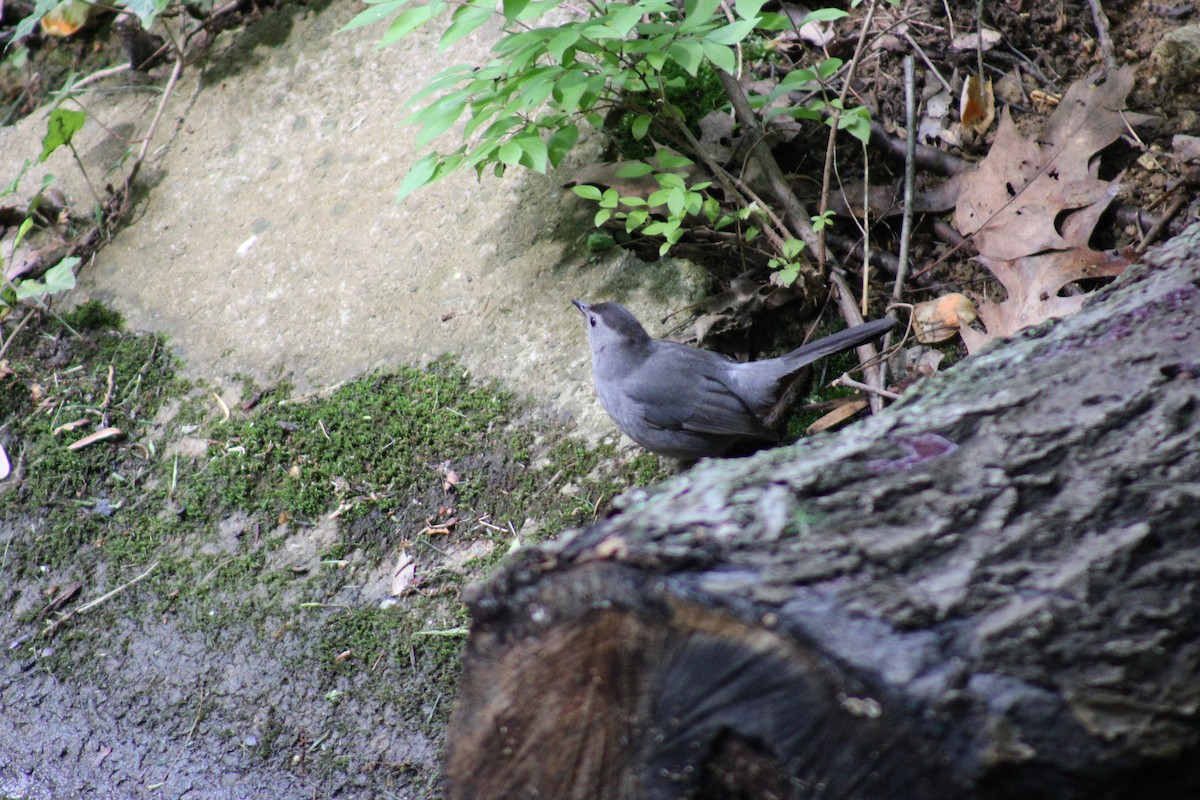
1032,205
1024,186
1033,283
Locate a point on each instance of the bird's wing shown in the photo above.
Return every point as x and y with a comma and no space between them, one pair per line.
706,405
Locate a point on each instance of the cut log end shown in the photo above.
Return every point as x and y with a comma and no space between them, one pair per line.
655,697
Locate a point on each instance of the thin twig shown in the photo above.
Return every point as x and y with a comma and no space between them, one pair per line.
58,623
1106,43
910,173
867,354
8,342
793,210
141,156
99,75
850,383
833,130
1152,235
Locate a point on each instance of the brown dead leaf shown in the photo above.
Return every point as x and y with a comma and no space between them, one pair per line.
940,319
70,426
1034,201
836,417
1033,284
1012,201
403,575
98,436
977,106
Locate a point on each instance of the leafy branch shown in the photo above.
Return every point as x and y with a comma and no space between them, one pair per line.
557,69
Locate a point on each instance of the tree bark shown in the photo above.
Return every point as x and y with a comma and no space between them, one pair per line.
992,590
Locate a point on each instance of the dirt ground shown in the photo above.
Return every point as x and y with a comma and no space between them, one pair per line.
266,246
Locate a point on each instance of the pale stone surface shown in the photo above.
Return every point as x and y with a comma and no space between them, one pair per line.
269,244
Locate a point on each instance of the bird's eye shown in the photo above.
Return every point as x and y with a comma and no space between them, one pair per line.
592,320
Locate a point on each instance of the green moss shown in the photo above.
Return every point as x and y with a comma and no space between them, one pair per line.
269,529
94,316
693,97
76,502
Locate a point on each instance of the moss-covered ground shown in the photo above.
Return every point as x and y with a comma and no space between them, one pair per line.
280,576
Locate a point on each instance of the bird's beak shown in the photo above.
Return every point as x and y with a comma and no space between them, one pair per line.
582,306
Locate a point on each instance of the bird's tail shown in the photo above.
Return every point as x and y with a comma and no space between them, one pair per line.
835,343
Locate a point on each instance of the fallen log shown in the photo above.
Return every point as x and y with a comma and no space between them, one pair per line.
992,590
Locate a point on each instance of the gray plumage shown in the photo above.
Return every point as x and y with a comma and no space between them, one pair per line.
689,403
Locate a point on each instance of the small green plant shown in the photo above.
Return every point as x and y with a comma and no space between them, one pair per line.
61,128
549,78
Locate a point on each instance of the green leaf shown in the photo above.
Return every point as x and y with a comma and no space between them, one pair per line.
732,33
640,126
595,87
636,219
722,57
748,8
418,175
26,25
772,21
795,79
668,160
513,8
510,152
688,53
633,201
377,12
406,22
635,169
825,15
697,13
561,142
537,8
22,229
517,41
437,118
537,87
561,41
857,123
16,181
467,19
146,10
59,278
625,18
534,155
676,201
609,199
669,180
64,124
456,74
828,67
657,59
602,217
587,191
570,88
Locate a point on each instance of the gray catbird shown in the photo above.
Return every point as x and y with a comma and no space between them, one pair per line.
689,403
